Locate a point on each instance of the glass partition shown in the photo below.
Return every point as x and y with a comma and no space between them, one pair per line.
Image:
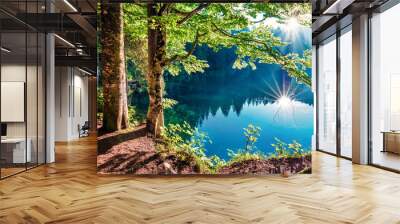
327,95
385,89
346,92
41,97
13,95
22,89
32,98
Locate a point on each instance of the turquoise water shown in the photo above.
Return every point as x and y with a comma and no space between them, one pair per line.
258,98
222,101
227,131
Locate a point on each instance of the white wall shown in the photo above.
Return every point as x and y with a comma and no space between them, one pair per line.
71,102
80,102
62,81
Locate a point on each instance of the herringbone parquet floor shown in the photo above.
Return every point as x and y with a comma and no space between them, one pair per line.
69,191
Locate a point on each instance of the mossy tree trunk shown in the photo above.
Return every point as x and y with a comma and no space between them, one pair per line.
155,81
115,109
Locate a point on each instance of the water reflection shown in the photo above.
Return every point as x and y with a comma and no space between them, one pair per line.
222,101
227,131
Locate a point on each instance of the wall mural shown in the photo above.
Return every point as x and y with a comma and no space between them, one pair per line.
205,88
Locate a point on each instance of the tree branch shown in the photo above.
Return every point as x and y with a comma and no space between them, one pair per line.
179,12
162,9
190,52
193,12
275,53
169,7
260,21
224,32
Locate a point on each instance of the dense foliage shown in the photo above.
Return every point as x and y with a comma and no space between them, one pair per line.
188,144
218,26
183,29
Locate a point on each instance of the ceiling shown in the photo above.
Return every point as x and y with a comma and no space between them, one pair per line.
73,21
330,15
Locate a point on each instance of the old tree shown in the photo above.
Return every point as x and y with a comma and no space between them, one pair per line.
115,107
173,31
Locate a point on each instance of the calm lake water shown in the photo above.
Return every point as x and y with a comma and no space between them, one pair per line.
268,99
227,131
222,101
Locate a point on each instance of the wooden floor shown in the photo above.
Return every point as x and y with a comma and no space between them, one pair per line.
69,191
10,171
387,159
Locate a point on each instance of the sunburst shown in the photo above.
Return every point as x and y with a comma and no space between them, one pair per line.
284,97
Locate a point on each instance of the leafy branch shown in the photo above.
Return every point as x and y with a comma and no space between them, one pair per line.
193,12
292,63
178,57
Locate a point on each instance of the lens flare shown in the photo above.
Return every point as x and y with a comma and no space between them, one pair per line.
292,23
284,102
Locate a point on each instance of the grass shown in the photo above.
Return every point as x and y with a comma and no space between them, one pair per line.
188,144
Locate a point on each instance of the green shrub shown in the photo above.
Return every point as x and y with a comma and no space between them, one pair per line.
188,144
135,118
249,152
251,133
216,163
100,100
240,156
132,115
169,103
99,116
283,149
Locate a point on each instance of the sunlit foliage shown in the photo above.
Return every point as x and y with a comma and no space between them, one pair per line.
240,26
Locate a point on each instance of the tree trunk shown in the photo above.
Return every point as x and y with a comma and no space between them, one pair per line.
155,81
115,111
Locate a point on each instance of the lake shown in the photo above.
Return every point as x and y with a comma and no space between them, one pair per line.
222,101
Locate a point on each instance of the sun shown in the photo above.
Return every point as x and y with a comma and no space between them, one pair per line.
292,23
284,102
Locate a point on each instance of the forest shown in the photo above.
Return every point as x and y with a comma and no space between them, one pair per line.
204,88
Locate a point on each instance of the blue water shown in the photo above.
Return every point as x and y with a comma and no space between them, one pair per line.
227,131
222,101
223,110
